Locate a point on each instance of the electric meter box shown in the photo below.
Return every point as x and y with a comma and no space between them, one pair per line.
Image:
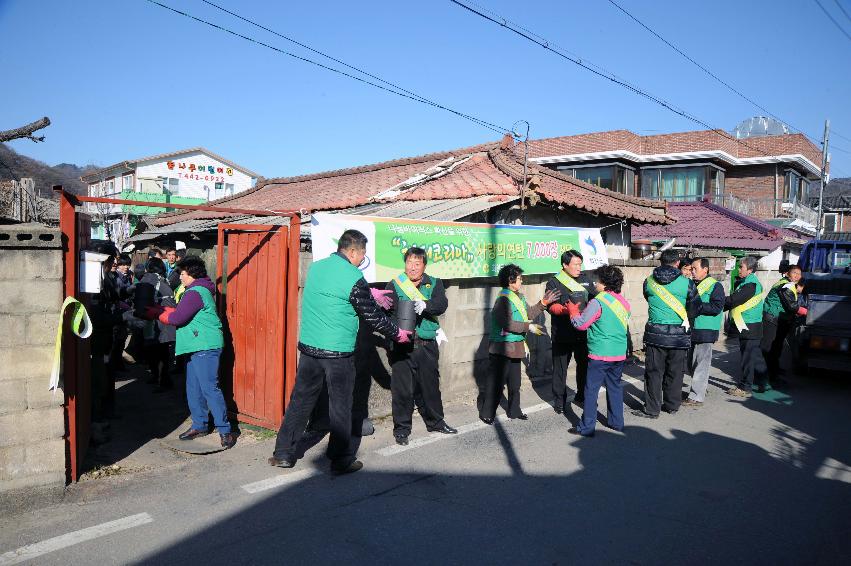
91,271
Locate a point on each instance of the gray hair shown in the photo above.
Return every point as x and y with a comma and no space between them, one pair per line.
750,262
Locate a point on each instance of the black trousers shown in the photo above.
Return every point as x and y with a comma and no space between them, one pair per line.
503,371
663,379
159,357
752,362
562,352
774,334
415,367
339,376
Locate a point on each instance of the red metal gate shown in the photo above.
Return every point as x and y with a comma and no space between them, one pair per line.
257,275
265,266
76,233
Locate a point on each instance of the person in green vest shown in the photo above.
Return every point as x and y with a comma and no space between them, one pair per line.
199,336
745,306
606,319
510,321
706,330
335,298
415,366
568,341
782,304
672,303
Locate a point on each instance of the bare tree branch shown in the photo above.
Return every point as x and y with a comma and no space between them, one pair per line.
26,131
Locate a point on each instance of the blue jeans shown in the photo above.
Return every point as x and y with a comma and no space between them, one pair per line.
203,393
600,373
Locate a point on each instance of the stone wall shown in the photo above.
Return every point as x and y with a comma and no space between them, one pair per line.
32,424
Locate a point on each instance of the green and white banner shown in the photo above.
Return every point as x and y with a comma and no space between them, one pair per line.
457,250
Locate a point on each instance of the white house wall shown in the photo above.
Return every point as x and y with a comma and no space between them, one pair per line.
196,184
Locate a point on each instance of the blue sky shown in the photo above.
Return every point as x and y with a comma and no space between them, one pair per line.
122,79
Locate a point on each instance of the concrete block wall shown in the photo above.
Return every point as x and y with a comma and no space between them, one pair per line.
32,422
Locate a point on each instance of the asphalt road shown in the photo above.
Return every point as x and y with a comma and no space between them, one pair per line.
762,481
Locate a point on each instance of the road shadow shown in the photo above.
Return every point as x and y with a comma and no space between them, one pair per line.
638,498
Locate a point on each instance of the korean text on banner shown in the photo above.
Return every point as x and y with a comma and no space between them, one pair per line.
457,250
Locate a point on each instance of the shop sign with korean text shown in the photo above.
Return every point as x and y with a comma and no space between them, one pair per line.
457,250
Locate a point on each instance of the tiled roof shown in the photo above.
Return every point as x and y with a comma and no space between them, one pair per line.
489,170
708,225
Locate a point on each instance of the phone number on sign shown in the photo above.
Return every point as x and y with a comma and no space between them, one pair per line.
213,178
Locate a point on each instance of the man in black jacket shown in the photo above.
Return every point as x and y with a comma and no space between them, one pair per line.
745,306
707,327
672,302
336,297
415,366
567,341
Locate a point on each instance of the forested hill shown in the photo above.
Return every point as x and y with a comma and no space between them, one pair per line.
15,166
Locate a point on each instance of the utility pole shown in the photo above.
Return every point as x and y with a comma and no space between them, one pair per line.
825,159
525,165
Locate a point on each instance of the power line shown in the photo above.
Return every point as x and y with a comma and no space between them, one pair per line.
539,40
394,90
832,19
707,71
847,15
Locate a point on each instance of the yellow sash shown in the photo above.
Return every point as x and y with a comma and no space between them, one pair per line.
616,307
569,282
670,300
706,285
739,310
408,288
81,325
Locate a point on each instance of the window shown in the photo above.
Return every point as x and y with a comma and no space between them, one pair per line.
93,189
612,177
676,183
170,185
229,189
830,222
796,188
127,183
108,187
718,183
600,176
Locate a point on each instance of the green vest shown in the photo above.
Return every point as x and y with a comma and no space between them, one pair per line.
428,325
753,314
496,329
772,304
660,313
607,336
705,322
204,331
328,319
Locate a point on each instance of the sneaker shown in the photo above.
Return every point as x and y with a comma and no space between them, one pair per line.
738,392
401,440
228,440
280,462
692,403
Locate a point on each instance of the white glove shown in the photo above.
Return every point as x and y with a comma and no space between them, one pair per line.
440,337
419,307
536,329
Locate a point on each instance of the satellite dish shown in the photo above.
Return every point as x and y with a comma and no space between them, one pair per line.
759,126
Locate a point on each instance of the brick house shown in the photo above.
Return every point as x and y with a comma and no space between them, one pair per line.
766,177
836,206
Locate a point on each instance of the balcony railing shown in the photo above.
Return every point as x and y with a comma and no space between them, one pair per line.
768,208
